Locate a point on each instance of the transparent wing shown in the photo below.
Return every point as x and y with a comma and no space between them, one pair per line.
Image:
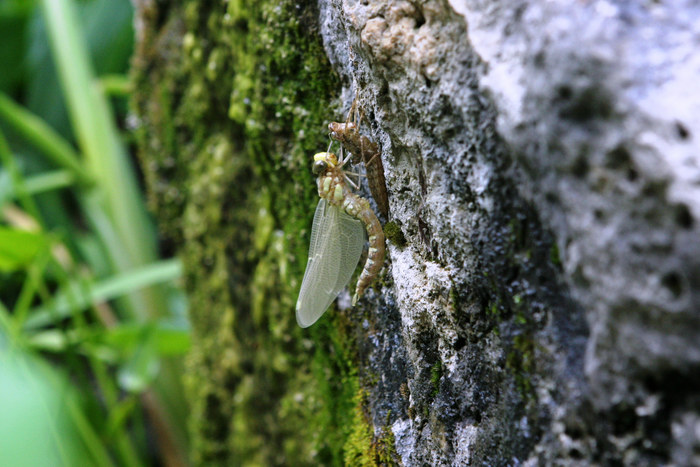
336,245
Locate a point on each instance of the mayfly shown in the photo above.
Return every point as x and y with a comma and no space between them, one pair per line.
362,148
337,239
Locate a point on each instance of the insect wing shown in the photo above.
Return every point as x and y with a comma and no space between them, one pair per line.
336,245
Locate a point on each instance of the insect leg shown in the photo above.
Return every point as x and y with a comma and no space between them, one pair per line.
353,108
354,174
372,159
359,117
347,179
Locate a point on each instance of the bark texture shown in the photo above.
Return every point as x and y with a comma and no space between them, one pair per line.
540,302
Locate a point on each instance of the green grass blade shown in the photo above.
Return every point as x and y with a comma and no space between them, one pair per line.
18,185
107,289
8,330
116,85
97,135
43,137
108,344
48,181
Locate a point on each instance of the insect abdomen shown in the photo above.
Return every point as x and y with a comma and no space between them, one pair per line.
375,258
332,187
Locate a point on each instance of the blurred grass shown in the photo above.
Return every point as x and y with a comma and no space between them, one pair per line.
88,310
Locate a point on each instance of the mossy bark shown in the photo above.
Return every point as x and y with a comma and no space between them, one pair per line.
232,98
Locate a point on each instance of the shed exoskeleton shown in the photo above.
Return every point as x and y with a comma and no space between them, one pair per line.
366,150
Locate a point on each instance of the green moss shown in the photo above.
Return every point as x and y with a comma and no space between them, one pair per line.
554,255
517,299
454,298
394,234
361,448
233,100
386,448
358,447
435,376
520,360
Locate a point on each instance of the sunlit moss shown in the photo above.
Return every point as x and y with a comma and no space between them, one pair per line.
362,448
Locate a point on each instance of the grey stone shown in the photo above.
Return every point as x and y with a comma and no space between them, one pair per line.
543,161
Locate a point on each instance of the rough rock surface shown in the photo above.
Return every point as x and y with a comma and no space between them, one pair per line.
543,163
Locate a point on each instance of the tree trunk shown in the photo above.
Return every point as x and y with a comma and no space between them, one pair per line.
539,303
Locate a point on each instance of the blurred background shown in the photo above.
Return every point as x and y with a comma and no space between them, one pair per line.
93,320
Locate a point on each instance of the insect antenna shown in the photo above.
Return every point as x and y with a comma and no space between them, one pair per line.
372,159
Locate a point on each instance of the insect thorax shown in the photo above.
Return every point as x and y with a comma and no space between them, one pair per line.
332,187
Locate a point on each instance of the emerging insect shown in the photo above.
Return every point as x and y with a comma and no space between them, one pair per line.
362,148
337,240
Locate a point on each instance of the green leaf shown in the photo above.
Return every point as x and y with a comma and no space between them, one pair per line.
42,420
18,248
